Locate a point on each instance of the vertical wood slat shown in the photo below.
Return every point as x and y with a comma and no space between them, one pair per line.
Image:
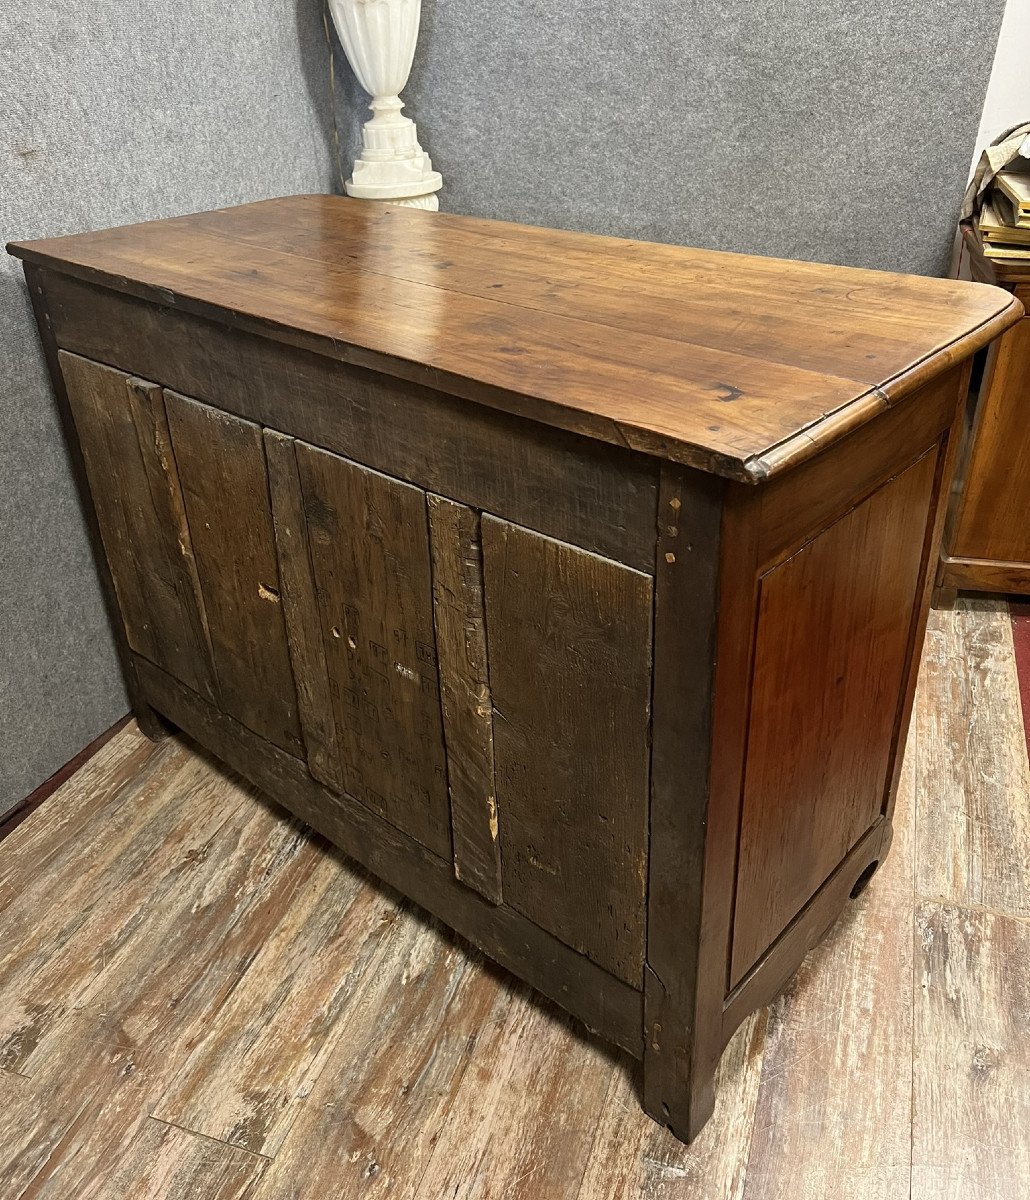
300,609
460,620
570,673
123,432
368,541
150,417
221,464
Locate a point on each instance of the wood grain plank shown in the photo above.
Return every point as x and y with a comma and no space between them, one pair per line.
833,1112
459,615
973,825
133,481
368,539
570,674
811,795
300,608
101,1068
256,1064
498,1141
577,364
165,1163
39,847
372,1121
56,957
971,1104
149,416
221,462
635,1158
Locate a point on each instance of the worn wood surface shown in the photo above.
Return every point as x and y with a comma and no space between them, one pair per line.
433,1074
221,465
971,1099
124,437
973,844
300,610
460,619
589,493
570,677
727,362
822,718
683,1034
368,541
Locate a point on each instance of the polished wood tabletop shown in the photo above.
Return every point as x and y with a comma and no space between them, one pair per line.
735,364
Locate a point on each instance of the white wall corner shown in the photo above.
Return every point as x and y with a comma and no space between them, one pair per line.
379,38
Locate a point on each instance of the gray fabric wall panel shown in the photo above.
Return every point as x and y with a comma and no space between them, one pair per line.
817,130
113,113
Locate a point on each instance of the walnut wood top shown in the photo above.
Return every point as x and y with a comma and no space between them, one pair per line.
735,364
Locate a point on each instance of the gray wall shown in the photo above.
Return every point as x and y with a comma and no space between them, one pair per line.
823,129
111,113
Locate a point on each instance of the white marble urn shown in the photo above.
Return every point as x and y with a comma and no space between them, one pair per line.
379,37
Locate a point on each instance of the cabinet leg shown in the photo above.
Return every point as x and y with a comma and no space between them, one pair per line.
944,598
150,722
685,1107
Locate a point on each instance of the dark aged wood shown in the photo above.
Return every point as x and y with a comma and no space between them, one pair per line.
987,543
574,586
460,618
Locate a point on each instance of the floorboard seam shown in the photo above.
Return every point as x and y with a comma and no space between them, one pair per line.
208,1138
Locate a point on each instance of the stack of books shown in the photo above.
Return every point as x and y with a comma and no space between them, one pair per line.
1001,233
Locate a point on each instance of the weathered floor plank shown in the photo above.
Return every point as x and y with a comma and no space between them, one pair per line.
376,1113
973,823
523,1124
268,1043
166,1163
73,945
971,1099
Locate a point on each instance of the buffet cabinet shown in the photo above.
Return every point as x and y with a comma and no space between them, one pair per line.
587,616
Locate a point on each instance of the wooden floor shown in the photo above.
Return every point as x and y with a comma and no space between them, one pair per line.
198,999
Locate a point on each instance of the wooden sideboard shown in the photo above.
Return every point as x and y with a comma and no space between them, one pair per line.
574,586
987,534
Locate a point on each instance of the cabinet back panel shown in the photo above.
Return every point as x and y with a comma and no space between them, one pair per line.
822,716
569,638
221,464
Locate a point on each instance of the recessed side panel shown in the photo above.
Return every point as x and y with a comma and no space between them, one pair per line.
569,638
834,625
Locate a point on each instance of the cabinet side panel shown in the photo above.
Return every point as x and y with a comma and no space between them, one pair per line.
124,438
368,538
569,638
465,691
833,635
221,465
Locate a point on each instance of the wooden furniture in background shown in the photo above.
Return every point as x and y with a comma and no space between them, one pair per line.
574,586
987,536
